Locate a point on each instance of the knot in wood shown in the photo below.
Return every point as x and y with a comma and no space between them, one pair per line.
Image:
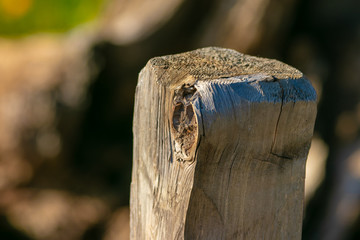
184,127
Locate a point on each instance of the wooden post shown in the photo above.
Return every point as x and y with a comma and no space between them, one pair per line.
220,146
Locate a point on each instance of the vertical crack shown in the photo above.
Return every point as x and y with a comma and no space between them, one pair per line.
278,120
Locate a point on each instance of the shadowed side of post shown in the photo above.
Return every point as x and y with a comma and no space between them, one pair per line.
220,146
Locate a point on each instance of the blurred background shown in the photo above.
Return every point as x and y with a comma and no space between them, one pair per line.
68,71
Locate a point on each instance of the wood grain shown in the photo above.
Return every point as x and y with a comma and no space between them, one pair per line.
220,146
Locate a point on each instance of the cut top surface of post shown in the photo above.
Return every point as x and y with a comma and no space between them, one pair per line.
213,63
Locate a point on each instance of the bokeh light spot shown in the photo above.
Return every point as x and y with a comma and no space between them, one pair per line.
16,8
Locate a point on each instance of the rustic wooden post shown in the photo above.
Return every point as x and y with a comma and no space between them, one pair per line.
220,146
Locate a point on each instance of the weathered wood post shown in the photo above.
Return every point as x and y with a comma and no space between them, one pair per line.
220,146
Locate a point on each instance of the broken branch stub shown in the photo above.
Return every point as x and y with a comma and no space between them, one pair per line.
220,146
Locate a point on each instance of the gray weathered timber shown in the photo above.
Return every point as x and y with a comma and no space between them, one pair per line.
220,146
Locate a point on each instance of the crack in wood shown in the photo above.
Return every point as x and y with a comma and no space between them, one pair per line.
281,156
278,120
270,162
